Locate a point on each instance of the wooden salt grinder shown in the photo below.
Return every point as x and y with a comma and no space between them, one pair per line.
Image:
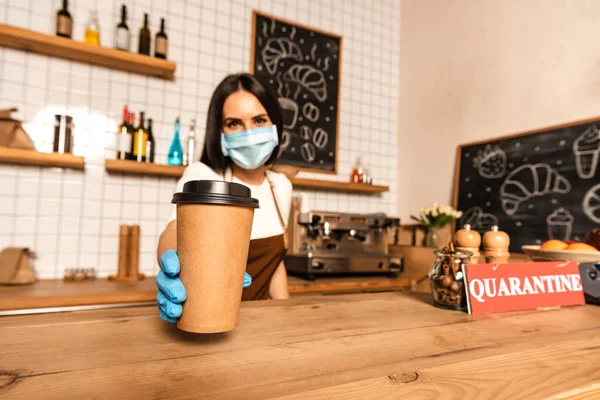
495,244
469,240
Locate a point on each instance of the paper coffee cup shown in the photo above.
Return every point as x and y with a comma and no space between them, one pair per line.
214,221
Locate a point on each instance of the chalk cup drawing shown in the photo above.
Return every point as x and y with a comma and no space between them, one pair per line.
279,48
320,138
587,152
591,204
528,181
308,152
290,112
559,224
491,162
479,220
311,112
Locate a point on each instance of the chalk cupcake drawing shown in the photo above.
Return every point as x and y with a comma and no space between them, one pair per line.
491,162
587,152
591,204
559,224
528,181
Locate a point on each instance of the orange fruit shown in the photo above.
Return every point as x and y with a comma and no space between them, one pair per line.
554,245
578,246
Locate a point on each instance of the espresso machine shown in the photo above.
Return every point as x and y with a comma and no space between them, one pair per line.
329,243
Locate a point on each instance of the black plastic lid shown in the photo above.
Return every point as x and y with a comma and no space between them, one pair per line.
215,192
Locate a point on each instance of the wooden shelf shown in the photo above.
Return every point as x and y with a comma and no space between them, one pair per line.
133,167
9,155
56,46
140,168
337,186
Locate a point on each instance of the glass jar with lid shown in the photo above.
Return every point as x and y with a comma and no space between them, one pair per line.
447,279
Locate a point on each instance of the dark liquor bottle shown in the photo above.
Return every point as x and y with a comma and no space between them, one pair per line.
161,43
64,22
124,137
123,38
131,130
150,143
140,136
144,44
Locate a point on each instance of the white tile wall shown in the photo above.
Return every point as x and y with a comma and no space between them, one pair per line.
72,218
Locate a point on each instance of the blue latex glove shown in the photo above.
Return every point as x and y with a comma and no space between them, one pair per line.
171,293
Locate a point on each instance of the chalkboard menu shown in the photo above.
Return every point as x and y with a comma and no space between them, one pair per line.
302,65
535,186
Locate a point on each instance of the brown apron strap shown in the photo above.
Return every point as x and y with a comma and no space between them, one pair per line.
228,176
281,220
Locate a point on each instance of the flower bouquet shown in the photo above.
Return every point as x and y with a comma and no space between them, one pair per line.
435,217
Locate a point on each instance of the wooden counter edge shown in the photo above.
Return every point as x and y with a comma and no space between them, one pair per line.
341,286
22,302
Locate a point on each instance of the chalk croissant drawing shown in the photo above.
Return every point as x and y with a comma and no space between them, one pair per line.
309,78
279,48
591,204
491,162
528,181
587,152
559,224
479,220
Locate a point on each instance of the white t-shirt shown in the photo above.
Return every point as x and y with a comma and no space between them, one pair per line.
266,219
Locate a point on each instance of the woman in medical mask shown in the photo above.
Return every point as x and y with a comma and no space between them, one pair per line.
243,130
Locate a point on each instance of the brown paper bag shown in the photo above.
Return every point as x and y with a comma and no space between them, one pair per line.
15,267
12,133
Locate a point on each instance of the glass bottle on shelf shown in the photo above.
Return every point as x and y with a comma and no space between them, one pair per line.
161,42
176,151
124,137
92,29
144,42
64,22
140,136
150,143
190,145
357,172
123,37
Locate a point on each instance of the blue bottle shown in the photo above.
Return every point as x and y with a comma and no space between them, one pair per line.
176,151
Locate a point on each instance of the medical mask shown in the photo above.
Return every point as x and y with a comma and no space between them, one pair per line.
252,148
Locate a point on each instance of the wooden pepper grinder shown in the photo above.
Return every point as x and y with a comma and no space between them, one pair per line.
469,240
495,244
129,254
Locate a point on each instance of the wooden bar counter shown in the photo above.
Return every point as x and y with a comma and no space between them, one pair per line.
58,293
360,346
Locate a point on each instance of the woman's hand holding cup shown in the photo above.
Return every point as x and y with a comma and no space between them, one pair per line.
171,293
